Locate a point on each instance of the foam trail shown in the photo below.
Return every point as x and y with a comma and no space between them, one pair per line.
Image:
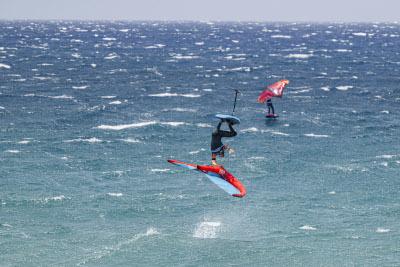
207,230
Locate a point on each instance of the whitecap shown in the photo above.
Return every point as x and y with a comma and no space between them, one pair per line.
13,151
117,102
317,135
256,158
187,57
332,193
281,36
385,111
4,66
88,140
199,43
325,88
181,109
344,87
359,34
154,46
175,95
24,142
130,140
308,228
75,55
61,97
115,194
382,230
83,87
206,230
386,156
299,56
341,50
279,133
111,56
250,130
109,39
126,126
151,231
56,198
108,96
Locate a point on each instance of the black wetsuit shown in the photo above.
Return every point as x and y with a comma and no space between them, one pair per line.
218,134
270,106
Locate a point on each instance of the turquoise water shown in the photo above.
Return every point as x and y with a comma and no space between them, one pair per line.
91,111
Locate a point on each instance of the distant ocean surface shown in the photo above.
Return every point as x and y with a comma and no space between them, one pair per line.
91,111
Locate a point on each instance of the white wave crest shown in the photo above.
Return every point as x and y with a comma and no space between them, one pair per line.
56,198
280,36
126,126
111,56
88,140
359,33
155,46
308,228
299,56
181,109
4,66
174,95
13,151
341,50
130,140
61,97
344,87
382,230
386,156
83,87
115,194
317,135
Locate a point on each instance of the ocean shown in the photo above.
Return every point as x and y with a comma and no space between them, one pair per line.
91,111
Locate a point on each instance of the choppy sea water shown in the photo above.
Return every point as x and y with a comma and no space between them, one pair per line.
90,111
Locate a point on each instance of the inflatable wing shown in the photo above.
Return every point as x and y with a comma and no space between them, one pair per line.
218,175
275,89
264,96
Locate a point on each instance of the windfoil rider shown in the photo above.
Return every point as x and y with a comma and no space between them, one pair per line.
270,107
217,147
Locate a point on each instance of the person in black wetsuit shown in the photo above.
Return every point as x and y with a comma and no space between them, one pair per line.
217,147
270,107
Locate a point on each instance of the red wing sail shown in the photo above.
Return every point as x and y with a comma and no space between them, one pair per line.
264,96
273,90
218,175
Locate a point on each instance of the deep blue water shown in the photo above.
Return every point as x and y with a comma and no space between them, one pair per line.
90,111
